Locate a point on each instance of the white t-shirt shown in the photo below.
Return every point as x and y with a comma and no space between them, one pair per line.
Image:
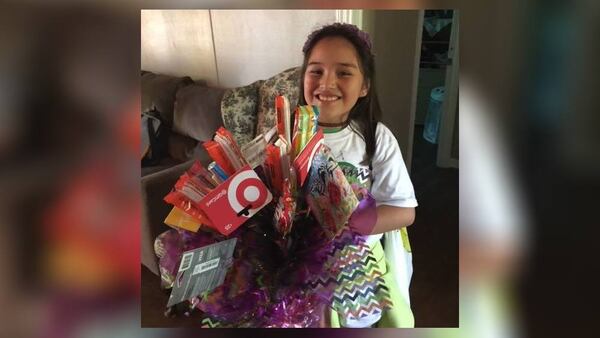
388,181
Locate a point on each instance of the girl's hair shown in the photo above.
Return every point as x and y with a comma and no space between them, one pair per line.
366,112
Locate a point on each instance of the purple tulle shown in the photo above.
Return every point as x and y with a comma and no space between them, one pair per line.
268,282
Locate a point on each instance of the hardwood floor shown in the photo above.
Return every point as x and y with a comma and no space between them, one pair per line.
434,239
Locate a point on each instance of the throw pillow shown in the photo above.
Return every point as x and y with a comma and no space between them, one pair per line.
198,111
158,93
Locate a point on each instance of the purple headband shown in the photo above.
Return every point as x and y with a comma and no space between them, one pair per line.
345,29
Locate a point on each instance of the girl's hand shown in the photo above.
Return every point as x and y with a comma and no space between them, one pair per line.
364,217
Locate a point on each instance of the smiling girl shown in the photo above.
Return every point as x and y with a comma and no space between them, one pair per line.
338,76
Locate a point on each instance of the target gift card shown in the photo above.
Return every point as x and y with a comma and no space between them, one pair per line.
236,200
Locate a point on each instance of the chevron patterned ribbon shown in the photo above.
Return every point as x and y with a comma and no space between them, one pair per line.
208,323
352,277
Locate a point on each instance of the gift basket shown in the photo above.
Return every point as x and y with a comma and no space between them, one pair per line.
270,234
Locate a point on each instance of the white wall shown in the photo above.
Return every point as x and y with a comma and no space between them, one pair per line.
257,44
227,48
178,42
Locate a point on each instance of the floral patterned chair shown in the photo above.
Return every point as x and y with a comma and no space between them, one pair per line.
250,110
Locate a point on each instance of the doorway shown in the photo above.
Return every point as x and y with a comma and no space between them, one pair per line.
436,120
434,173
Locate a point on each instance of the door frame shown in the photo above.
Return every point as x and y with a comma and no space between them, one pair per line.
450,105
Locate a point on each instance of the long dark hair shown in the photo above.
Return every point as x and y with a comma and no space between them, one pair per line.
366,112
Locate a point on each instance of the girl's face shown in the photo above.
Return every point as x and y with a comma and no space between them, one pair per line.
333,80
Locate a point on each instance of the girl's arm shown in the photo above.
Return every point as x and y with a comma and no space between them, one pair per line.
392,218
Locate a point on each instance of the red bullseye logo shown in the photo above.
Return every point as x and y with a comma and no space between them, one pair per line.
235,200
247,194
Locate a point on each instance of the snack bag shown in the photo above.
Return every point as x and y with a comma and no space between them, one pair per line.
328,193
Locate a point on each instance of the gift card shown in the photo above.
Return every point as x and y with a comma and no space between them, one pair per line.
177,218
236,200
201,270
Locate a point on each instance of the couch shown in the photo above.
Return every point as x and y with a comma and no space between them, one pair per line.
193,111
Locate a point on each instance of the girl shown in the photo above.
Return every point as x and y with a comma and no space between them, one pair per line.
338,76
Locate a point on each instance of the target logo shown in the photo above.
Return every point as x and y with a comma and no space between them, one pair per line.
245,196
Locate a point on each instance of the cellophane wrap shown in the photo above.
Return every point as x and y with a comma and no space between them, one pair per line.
292,278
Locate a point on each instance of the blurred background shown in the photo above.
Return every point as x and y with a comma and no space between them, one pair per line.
69,143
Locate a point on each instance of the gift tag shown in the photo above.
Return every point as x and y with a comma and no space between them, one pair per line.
201,270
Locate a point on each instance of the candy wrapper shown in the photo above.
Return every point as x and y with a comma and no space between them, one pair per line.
303,161
285,210
282,108
187,194
305,126
225,151
273,165
254,151
328,193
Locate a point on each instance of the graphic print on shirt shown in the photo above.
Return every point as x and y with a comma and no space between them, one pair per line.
356,176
